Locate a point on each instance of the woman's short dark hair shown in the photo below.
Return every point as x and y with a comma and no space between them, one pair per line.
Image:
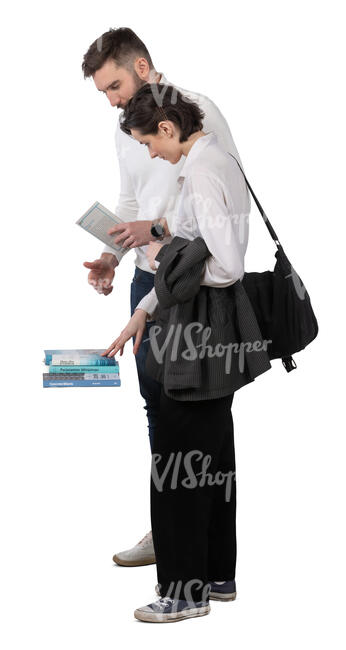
154,103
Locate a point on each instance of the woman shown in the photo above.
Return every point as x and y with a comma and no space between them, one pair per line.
193,488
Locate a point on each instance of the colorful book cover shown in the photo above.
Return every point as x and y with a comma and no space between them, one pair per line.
52,376
79,383
82,369
77,358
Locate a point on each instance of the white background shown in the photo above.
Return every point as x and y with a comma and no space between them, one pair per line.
75,463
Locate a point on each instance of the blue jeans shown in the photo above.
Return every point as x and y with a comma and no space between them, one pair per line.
141,284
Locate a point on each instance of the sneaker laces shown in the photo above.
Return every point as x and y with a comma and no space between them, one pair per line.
163,603
146,540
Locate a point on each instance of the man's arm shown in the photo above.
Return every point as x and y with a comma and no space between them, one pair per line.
132,233
110,258
127,206
136,233
101,273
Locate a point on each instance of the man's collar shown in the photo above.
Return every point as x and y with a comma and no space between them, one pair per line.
164,80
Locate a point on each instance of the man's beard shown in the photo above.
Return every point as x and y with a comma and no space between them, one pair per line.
137,82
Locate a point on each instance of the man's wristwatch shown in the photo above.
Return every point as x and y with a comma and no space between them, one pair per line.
157,229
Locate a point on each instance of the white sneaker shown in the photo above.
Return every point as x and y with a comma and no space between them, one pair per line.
140,555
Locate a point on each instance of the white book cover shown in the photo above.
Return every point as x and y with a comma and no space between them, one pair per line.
97,221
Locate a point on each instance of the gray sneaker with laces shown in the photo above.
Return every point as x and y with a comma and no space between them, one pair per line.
169,610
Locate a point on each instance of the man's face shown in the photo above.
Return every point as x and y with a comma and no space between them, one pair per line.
117,83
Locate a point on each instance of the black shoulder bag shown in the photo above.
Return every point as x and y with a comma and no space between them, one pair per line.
281,302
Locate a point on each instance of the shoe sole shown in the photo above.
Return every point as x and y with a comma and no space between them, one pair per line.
214,595
147,617
117,560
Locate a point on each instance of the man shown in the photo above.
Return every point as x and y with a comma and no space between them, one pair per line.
120,64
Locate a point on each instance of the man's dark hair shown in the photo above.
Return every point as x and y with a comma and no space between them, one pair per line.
122,45
153,103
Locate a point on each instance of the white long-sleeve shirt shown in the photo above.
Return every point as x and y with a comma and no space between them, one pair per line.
213,204
148,187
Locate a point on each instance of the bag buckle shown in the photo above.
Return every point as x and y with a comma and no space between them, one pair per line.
289,363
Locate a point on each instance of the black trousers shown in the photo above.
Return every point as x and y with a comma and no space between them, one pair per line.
193,496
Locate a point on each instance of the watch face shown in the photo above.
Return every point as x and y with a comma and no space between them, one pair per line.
157,230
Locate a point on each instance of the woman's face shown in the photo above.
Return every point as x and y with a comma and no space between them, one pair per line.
164,144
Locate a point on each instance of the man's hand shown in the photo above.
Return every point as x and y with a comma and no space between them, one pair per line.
151,253
102,273
135,327
134,233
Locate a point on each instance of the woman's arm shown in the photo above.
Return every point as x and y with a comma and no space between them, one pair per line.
220,227
149,304
135,327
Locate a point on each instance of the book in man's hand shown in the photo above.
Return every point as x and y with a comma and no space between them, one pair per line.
97,221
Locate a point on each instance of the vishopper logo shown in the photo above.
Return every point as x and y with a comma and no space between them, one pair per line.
203,349
159,202
298,285
183,591
159,91
230,224
179,462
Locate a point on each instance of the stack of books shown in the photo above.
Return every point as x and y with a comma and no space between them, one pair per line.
79,368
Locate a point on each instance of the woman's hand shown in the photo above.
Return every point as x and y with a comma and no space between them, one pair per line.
151,252
135,327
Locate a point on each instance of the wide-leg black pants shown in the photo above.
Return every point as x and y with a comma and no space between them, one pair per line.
193,496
